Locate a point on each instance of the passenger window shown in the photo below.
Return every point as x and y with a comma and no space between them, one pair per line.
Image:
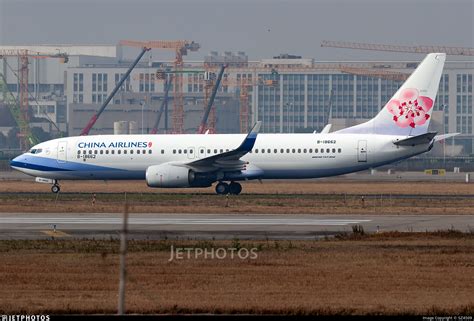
328,150
90,152
179,151
83,152
107,152
256,151
174,151
131,151
190,151
112,151
125,151
101,151
269,150
263,150
310,150
222,150
208,151
334,150
304,150
119,152
185,151
288,150
316,150
322,150
78,152
227,150
299,150
144,151
339,150
95,152
215,151
163,151
202,151
282,150
293,150
149,151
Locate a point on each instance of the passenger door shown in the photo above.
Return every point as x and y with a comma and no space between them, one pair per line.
62,152
362,151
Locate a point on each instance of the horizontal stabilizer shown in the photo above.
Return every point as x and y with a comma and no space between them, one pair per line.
439,138
416,140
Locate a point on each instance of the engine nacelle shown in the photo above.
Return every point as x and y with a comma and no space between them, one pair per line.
167,175
174,176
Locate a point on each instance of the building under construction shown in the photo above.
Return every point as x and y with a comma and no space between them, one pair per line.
288,93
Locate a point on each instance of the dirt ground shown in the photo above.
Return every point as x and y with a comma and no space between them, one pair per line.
429,275
254,187
277,197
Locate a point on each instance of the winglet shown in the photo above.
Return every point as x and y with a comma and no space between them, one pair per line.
249,141
256,128
326,129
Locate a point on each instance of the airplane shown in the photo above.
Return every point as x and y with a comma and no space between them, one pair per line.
397,132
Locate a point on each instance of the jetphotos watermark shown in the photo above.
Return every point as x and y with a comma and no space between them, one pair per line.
23,317
221,253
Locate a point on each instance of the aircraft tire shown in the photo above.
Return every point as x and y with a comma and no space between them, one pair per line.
235,188
222,188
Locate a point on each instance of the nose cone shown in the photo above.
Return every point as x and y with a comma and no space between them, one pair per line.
19,162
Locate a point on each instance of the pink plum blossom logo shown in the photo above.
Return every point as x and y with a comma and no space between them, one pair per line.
410,109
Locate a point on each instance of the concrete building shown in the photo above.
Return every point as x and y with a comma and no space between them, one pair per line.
288,93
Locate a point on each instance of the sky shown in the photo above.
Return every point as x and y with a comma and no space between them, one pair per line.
261,28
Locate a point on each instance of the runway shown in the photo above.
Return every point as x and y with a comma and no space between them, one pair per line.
216,226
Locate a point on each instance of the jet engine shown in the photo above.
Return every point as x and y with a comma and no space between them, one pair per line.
175,176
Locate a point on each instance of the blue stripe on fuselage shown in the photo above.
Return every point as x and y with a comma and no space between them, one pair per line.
52,165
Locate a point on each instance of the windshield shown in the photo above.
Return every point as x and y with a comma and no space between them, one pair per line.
35,150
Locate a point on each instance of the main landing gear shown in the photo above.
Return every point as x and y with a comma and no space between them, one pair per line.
55,188
233,188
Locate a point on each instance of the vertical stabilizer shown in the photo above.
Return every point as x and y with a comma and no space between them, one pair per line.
409,111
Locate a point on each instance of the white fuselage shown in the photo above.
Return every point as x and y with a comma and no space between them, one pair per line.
276,156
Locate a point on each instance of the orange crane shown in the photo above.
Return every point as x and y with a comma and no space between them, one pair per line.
24,55
456,51
181,48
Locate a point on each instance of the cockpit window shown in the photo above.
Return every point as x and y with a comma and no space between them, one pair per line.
36,150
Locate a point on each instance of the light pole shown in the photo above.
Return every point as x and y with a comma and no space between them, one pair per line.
142,104
288,106
444,132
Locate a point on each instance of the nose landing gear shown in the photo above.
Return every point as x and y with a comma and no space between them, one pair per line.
233,188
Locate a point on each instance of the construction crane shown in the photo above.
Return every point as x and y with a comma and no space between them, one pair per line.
456,51
10,101
210,101
375,73
163,107
23,56
96,116
181,48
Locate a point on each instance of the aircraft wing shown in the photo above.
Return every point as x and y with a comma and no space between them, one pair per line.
228,161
